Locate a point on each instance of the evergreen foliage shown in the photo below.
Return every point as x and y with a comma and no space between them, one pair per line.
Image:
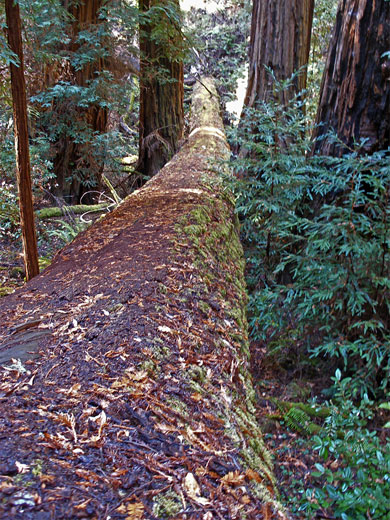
353,482
55,55
166,22
318,228
323,21
316,231
6,55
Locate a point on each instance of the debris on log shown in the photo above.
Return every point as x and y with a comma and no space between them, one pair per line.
137,402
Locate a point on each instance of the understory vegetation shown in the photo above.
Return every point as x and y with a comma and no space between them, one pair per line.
316,232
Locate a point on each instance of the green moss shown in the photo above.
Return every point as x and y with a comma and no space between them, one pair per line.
217,257
115,308
237,315
201,216
204,307
6,290
166,505
150,367
194,230
78,210
265,496
162,288
196,387
37,468
177,405
197,373
160,351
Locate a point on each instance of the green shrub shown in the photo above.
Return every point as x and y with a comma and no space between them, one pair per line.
9,211
353,483
68,231
221,41
317,236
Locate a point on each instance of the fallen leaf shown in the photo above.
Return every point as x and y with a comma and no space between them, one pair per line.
138,376
22,468
191,487
73,390
233,478
197,397
100,419
253,475
83,505
134,511
163,328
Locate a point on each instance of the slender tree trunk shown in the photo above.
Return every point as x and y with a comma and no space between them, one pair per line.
280,40
19,102
161,94
355,91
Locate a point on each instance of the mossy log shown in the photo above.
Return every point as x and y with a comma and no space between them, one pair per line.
139,402
66,210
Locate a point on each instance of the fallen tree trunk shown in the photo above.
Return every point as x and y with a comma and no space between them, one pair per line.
66,210
138,403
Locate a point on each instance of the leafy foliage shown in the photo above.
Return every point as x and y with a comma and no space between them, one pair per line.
165,21
354,480
67,231
9,211
323,21
81,81
319,226
6,55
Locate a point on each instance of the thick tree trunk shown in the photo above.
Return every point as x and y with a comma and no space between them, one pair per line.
355,92
161,94
72,157
280,40
19,102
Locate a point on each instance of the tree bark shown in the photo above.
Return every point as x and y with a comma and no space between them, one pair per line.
355,91
280,40
161,92
72,157
23,173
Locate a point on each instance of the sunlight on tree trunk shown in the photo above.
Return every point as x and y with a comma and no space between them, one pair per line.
19,102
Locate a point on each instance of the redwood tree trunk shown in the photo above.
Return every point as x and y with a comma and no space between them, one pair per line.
161,94
19,102
280,40
355,91
72,157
